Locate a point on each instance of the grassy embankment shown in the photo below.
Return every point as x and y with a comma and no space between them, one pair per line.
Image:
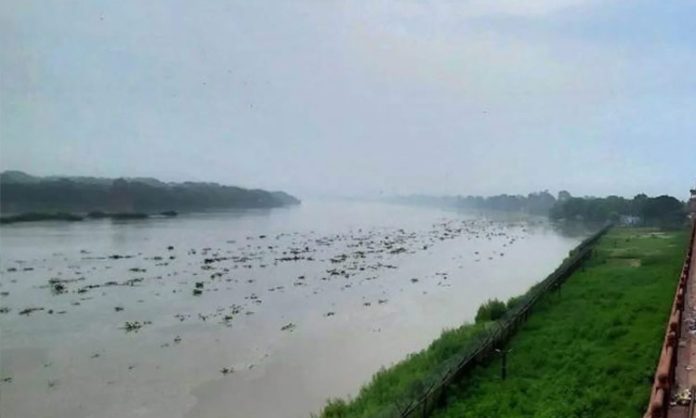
589,351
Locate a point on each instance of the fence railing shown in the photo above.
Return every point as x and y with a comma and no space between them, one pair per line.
664,374
495,337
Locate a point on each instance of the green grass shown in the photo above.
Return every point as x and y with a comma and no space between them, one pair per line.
393,388
408,378
591,350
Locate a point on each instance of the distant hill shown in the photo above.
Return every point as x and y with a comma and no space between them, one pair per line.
11,176
22,192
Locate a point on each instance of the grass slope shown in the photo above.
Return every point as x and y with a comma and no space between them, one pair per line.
591,350
407,379
390,390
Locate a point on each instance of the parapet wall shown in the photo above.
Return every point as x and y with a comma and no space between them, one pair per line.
663,383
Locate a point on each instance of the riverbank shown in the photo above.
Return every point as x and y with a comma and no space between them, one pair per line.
73,217
418,383
589,349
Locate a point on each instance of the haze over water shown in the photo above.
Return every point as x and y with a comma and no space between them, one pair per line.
296,305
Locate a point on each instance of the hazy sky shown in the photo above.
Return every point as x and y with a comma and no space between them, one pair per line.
352,97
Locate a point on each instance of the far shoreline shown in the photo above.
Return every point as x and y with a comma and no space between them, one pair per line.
73,217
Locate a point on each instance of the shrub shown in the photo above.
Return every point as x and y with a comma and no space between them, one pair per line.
335,408
492,310
514,301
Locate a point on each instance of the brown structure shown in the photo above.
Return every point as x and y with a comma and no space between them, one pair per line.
672,394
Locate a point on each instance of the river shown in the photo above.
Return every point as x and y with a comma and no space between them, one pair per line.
243,314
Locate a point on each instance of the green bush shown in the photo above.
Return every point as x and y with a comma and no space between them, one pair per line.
492,310
514,301
335,408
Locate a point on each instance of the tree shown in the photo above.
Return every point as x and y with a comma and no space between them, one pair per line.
564,195
664,210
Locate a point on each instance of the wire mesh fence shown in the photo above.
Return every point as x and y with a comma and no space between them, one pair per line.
432,391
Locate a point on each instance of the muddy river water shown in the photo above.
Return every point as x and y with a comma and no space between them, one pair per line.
243,314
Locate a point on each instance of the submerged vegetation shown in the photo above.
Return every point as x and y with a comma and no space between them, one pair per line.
587,351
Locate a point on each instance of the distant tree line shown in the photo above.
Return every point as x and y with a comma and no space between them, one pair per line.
661,210
641,210
20,192
539,203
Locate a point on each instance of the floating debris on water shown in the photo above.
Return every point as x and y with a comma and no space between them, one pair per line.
135,325
28,311
301,270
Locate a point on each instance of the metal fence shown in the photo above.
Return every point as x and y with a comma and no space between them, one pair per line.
495,337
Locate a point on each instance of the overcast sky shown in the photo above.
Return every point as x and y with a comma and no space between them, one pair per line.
355,97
